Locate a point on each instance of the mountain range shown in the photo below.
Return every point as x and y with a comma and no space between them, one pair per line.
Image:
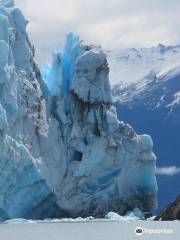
146,93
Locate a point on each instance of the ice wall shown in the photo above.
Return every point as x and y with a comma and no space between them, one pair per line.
24,192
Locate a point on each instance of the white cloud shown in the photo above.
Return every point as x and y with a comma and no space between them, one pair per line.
168,171
114,24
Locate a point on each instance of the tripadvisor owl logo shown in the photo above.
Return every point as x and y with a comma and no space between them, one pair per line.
139,231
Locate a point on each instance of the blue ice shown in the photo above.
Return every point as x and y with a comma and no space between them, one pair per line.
59,75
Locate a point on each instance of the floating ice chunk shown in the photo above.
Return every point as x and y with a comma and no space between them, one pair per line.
116,217
135,213
18,220
113,216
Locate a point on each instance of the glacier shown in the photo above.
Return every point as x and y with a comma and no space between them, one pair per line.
63,151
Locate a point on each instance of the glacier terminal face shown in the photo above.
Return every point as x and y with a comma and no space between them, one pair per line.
63,152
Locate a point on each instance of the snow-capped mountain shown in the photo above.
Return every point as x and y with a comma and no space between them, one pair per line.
132,65
156,92
149,99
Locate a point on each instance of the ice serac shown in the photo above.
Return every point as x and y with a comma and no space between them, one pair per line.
109,166
59,76
63,152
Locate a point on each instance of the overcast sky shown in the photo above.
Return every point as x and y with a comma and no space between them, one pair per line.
113,24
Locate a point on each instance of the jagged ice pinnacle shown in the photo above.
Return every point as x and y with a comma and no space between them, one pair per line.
59,76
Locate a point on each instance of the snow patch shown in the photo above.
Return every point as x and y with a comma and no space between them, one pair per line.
176,100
